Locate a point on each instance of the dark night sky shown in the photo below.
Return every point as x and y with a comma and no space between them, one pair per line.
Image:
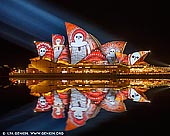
143,24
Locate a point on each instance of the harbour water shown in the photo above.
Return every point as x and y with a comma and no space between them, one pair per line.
85,107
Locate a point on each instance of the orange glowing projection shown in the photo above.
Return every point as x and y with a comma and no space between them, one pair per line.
80,42
45,50
58,107
58,42
79,105
42,105
95,57
111,48
137,57
114,101
64,56
137,96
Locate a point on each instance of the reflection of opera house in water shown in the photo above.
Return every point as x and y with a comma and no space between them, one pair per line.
85,54
81,100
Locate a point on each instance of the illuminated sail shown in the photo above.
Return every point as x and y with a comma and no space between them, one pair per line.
114,102
122,58
137,56
64,96
136,95
45,50
77,116
57,45
94,40
81,43
42,105
96,96
58,107
49,97
64,56
95,57
109,49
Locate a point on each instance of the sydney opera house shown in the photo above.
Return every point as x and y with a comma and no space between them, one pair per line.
85,54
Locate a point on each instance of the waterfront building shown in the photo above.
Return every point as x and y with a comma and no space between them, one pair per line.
83,54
